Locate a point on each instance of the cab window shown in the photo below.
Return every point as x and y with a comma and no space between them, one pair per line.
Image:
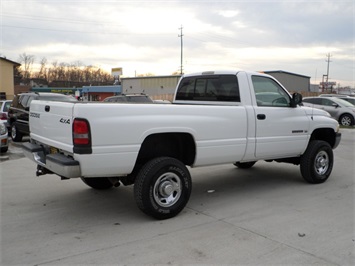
209,88
269,93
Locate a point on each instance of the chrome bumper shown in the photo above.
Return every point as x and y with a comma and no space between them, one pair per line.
57,163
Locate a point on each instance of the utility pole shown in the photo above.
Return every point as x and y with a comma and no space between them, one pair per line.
328,61
181,49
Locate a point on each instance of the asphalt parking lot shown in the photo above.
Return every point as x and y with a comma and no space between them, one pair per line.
266,215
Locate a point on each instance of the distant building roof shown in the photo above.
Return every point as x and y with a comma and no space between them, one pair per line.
284,72
151,77
116,89
9,61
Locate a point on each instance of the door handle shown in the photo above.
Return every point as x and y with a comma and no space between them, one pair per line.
261,116
47,108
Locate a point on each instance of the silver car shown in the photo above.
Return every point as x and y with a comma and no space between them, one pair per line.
339,109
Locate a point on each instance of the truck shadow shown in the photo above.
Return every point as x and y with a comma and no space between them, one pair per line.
222,183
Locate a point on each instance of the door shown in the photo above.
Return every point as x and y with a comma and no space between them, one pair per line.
330,106
281,130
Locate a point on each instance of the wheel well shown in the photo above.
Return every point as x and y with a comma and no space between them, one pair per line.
180,146
347,114
325,134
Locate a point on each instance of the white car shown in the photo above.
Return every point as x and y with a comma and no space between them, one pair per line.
4,144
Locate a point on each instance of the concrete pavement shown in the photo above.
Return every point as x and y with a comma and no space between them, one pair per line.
266,215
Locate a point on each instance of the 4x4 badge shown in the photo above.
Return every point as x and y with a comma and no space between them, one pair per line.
65,121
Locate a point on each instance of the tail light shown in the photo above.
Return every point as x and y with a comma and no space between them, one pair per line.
81,136
3,116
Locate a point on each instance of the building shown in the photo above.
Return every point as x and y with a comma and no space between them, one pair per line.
72,91
7,78
99,93
165,85
291,81
153,86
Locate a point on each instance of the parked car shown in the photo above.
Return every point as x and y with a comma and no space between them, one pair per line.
18,113
4,144
129,98
349,99
4,107
339,109
333,95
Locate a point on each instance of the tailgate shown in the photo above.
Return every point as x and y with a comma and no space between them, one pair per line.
51,123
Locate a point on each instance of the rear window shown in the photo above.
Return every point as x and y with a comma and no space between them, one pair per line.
218,88
5,106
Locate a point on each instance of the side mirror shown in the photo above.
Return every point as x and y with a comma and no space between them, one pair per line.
296,99
335,105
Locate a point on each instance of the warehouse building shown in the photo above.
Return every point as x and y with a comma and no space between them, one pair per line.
291,81
165,85
153,85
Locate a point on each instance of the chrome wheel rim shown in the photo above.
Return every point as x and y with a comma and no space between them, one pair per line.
13,132
321,163
167,189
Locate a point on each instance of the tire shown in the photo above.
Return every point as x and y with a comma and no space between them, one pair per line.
100,183
162,187
16,135
246,165
317,162
346,120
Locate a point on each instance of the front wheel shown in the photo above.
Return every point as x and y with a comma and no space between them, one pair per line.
317,162
346,120
100,183
162,187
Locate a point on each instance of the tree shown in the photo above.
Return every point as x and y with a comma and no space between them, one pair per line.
42,71
27,62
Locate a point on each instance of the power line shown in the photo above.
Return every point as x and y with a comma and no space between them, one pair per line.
86,32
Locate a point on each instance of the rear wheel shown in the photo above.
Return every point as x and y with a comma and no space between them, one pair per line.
15,134
100,183
162,187
246,165
317,162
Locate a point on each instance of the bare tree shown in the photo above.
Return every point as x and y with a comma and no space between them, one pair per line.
27,62
42,70
67,74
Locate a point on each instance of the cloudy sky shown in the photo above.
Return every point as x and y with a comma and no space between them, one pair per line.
143,36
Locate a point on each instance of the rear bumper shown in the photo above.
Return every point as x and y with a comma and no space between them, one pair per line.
57,163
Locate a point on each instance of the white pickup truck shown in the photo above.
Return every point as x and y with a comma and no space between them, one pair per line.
216,118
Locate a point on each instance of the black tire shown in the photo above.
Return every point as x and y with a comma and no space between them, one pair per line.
346,120
162,187
317,162
246,165
100,183
16,135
